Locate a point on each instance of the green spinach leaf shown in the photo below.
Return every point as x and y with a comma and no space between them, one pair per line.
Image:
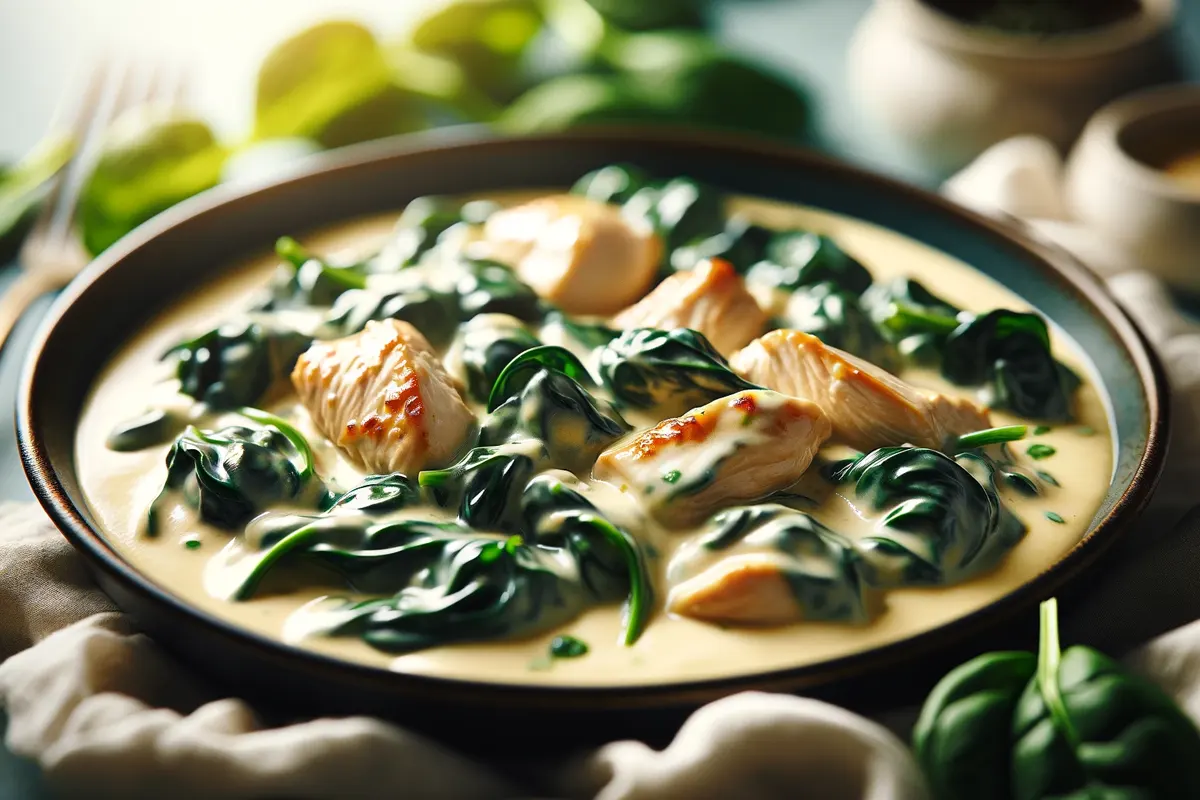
940,524
668,371
484,346
235,363
1009,353
794,259
231,475
833,315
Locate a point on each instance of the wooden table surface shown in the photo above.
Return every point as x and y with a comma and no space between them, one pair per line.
220,42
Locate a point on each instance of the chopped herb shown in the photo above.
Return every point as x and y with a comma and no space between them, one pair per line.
1040,451
1053,517
1041,430
672,477
567,647
990,436
1086,430
1048,478
747,419
191,543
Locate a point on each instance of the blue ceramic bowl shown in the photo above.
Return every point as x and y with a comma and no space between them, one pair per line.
161,261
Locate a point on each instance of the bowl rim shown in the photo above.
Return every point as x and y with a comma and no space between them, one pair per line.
43,473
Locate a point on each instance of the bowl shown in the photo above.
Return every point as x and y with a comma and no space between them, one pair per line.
179,250
1115,181
946,90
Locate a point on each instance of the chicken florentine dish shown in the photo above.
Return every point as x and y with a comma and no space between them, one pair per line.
622,396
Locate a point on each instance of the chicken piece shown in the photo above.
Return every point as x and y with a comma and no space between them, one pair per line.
868,407
580,254
383,398
711,299
748,589
739,448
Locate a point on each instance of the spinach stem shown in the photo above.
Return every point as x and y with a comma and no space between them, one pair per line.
1008,433
292,434
1049,654
904,316
637,606
276,552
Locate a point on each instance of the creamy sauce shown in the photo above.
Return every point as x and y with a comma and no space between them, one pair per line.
120,486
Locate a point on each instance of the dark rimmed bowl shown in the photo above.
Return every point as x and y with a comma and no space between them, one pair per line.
179,250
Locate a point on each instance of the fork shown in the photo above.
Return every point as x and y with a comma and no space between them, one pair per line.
52,254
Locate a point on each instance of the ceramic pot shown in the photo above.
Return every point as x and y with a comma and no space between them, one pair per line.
1115,185
947,90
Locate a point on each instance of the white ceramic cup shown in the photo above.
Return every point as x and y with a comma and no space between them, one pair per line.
1114,184
947,90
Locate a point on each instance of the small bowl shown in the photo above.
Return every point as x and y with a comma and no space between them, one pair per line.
947,90
1117,185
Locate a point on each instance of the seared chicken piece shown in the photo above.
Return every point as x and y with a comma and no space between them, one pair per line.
738,448
746,589
711,299
868,407
383,398
580,254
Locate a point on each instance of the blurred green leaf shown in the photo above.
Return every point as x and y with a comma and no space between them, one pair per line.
150,160
439,79
22,185
648,15
486,39
332,83
574,100
690,77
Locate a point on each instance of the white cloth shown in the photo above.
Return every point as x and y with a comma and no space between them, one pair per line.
107,714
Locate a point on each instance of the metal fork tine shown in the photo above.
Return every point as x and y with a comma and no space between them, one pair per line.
77,128
114,96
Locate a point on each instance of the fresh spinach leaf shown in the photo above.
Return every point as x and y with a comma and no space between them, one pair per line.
151,158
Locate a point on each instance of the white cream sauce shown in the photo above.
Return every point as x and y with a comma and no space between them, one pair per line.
120,486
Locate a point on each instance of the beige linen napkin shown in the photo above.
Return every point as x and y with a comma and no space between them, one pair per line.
108,714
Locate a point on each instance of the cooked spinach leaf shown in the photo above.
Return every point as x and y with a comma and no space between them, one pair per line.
235,363
466,288
416,233
450,583
145,430
939,523
833,315
485,486
801,258
681,210
912,318
548,405
1009,353
741,243
615,183
611,562
667,371
307,280
378,494
231,475
484,346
